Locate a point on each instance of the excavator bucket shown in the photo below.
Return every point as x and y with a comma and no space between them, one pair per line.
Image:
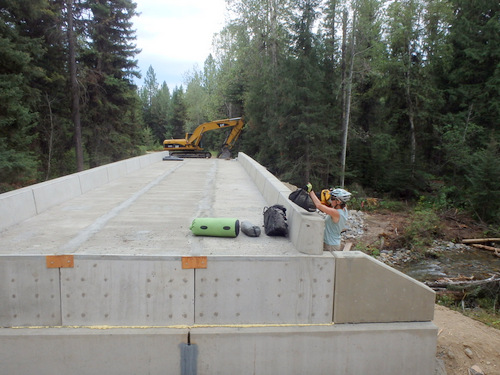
225,153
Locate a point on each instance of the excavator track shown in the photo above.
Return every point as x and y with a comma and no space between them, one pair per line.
191,154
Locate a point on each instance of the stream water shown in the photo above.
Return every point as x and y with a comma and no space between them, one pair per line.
449,260
465,261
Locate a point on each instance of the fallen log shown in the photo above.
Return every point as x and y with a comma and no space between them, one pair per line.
484,247
480,240
461,282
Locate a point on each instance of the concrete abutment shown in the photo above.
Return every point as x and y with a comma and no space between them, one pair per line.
261,306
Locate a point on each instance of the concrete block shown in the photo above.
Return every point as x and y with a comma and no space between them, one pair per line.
16,206
359,349
59,190
116,170
260,181
258,290
153,157
310,234
294,218
91,351
306,229
93,178
367,290
243,159
272,188
129,290
29,292
133,164
254,169
145,160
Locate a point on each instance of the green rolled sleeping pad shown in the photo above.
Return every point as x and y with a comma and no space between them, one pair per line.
215,227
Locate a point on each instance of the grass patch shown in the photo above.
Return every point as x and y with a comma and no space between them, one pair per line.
485,310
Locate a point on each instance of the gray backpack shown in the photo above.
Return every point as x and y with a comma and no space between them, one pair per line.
275,221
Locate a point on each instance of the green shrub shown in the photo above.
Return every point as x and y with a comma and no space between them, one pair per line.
392,205
423,227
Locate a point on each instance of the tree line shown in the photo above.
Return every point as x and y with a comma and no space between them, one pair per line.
398,98
67,98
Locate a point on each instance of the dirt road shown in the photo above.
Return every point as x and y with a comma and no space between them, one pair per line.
464,342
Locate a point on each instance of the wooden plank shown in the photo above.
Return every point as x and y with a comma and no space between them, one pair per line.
347,246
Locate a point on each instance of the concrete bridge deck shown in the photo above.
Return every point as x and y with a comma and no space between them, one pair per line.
149,212
93,280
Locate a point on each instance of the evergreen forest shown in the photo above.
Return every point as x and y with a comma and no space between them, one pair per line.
396,99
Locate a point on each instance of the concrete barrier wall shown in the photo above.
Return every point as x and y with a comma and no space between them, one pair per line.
21,204
349,287
157,291
127,291
306,229
16,206
367,290
30,293
97,290
53,192
93,178
265,290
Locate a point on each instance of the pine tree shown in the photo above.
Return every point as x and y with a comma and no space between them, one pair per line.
474,76
483,190
155,102
18,99
370,55
178,113
160,110
305,132
110,127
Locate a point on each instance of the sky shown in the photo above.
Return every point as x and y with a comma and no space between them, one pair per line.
175,36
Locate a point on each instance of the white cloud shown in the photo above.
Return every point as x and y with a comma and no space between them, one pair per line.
174,36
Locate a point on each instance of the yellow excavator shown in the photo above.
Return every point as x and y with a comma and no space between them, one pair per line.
190,147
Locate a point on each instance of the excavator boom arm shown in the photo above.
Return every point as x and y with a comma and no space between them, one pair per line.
237,124
233,136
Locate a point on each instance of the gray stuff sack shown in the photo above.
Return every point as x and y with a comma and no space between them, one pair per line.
249,229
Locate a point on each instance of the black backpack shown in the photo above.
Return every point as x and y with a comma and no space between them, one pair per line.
302,199
275,220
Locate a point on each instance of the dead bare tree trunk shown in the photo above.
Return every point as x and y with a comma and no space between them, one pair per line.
411,112
51,137
75,93
343,71
347,111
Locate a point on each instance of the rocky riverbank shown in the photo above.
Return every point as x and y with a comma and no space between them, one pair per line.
444,258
